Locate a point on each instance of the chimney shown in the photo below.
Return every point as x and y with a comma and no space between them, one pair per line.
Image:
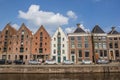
113,28
78,25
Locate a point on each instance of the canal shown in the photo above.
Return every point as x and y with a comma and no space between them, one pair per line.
81,76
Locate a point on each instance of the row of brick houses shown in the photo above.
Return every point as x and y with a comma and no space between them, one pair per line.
76,46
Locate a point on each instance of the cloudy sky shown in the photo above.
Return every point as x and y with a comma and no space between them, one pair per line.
64,13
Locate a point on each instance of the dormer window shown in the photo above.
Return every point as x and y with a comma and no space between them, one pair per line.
23,32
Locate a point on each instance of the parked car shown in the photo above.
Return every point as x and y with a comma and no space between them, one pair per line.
2,61
19,62
9,61
102,61
50,62
86,62
34,62
68,62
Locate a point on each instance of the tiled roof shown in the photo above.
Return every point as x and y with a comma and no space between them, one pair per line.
79,29
113,31
97,29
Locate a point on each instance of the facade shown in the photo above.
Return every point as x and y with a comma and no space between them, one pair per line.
22,44
99,42
6,42
41,44
113,38
80,45
59,46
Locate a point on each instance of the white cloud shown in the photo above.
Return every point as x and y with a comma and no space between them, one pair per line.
39,17
85,29
16,26
71,14
69,29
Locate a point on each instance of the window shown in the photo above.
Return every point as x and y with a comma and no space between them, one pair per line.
41,38
8,56
9,48
35,43
101,53
116,45
100,45
21,49
105,53
115,38
16,49
117,53
72,45
45,37
64,58
45,43
63,39
27,36
59,34
41,34
103,38
45,49
86,44
80,53
79,38
110,38
99,38
4,49
86,53
40,50
79,45
95,38
26,49
0,49
35,49
22,32
63,45
72,38
72,52
40,44
54,57
63,51
6,32
54,45
54,51
15,57
104,46
54,39
10,42
36,37
96,46
86,38
110,45
25,56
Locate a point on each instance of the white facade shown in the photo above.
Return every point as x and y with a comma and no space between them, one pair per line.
59,46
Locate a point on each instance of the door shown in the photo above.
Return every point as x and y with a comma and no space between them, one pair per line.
21,57
111,55
73,58
59,59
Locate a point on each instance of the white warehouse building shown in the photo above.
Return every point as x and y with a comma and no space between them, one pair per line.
59,46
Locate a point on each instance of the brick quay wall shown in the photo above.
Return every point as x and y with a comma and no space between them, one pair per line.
58,68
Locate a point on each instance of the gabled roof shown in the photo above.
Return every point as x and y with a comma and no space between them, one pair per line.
42,27
25,28
113,31
79,29
97,29
8,26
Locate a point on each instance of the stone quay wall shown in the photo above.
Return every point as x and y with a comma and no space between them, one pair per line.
58,68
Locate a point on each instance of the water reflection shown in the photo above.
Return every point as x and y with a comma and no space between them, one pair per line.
95,76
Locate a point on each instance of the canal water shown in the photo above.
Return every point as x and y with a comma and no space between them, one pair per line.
87,76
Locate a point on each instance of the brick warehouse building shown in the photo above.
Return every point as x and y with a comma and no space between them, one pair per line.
41,44
6,42
80,45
